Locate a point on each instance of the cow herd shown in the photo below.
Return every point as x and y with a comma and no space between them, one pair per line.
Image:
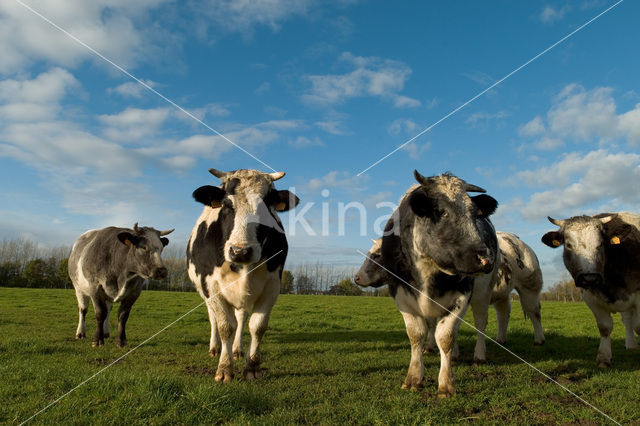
439,254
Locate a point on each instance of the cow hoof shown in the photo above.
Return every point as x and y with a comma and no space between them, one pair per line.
97,343
446,392
428,350
224,375
253,373
412,383
540,343
107,335
238,354
80,336
214,352
479,361
604,364
501,341
632,348
121,343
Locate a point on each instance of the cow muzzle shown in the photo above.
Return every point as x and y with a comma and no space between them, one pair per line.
241,254
589,280
160,273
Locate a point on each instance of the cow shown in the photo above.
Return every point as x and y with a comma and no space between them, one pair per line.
518,270
602,254
235,257
111,265
438,244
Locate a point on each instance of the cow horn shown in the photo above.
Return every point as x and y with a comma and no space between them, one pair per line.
419,178
276,175
473,188
218,173
607,219
135,227
163,233
374,240
556,221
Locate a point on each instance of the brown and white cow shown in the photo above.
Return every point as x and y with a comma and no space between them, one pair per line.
235,258
438,245
602,254
110,265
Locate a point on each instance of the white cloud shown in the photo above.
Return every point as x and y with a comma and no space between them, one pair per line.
486,116
263,88
337,179
335,127
304,142
532,128
112,28
416,149
131,89
134,124
550,15
370,76
548,144
403,126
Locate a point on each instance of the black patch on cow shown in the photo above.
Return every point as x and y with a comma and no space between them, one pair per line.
231,185
442,284
424,206
395,261
208,194
622,270
504,271
272,242
516,250
486,205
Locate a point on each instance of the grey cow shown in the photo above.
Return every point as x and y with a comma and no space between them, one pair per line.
602,253
110,265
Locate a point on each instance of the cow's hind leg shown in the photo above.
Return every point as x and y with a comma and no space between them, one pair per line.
123,315
503,312
530,300
431,345
107,321
83,307
258,326
446,334
241,318
417,331
480,307
214,341
630,339
100,308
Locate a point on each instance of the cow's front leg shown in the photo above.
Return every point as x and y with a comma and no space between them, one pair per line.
107,321
214,341
417,331
530,301
123,315
83,307
503,311
258,326
241,318
431,345
480,307
605,326
446,335
630,341
227,324
100,308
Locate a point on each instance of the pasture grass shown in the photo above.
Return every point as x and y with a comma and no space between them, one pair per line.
330,360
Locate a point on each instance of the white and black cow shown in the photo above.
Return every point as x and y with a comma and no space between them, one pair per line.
518,270
438,245
236,233
602,253
110,265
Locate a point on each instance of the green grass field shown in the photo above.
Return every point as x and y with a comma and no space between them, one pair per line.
330,360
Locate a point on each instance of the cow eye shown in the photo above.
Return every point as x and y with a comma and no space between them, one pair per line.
568,246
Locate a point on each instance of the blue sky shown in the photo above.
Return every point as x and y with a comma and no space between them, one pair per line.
320,90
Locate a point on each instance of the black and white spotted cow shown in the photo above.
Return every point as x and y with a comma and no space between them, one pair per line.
518,270
110,265
438,245
602,253
235,258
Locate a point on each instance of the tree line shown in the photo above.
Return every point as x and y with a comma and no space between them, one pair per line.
24,263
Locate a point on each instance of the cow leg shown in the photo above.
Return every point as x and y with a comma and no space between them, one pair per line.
446,334
107,321
241,318
503,312
431,344
630,339
480,307
417,331
258,326
100,308
227,324
83,307
605,326
123,315
214,341
530,301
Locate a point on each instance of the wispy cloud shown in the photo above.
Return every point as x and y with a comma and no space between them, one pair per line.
550,14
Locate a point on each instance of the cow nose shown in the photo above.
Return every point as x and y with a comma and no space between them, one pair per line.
356,279
484,259
160,273
588,280
239,254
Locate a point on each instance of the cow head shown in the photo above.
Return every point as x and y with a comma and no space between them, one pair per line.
584,240
371,274
248,203
451,227
145,250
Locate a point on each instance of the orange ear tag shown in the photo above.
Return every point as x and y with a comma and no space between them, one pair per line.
556,243
615,240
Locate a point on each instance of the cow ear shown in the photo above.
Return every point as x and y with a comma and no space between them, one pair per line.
164,241
422,205
128,239
553,239
285,200
486,205
209,195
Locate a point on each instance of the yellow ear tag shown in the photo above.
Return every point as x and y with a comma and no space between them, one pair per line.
556,243
479,212
280,206
615,240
